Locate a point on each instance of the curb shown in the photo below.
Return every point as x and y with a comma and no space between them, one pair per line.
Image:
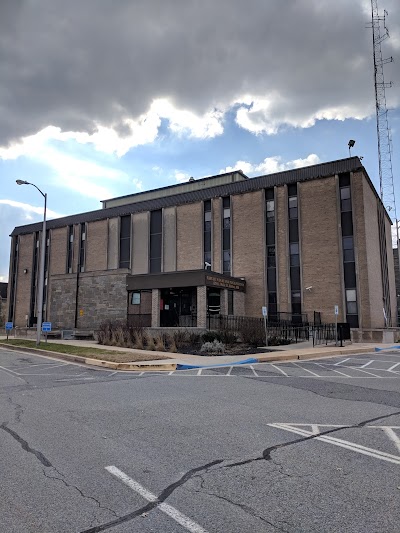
315,355
190,367
167,367
396,347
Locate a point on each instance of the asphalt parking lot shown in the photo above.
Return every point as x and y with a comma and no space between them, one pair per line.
296,446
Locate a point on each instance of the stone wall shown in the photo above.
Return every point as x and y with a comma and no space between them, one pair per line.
101,296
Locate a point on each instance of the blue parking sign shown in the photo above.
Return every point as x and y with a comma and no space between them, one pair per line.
46,326
9,325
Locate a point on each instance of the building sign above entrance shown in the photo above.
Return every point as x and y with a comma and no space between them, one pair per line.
214,280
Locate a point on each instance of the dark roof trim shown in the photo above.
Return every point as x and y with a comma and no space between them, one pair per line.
168,187
323,170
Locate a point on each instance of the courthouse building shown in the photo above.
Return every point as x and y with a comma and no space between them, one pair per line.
300,241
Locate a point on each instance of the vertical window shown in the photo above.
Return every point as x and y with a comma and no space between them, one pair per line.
230,302
226,235
294,252
125,242
34,280
207,234
46,274
70,249
82,247
271,253
155,240
349,265
13,279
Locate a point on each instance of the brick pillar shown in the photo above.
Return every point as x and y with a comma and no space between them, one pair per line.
155,308
202,307
224,302
239,303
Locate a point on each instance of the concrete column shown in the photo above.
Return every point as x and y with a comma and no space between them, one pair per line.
155,308
202,307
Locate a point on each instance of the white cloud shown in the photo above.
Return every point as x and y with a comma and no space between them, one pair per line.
3,279
28,209
181,177
121,137
271,165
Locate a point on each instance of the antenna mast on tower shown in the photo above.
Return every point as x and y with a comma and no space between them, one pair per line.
382,124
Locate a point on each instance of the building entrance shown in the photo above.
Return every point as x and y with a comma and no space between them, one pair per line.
178,307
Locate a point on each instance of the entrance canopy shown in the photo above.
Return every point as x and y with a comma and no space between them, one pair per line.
184,278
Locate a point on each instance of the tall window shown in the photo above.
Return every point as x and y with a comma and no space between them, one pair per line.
35,268
207,234
125,242
82,247
271,255
226,235
349,265
70,250
46,275
294,252
13,279
155,240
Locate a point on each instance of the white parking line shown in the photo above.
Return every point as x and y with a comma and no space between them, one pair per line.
280,370
10,372
306,369
176,515
393,367
322,365
254,372
229,371
392,436
377,454
51,365
366,364
344,361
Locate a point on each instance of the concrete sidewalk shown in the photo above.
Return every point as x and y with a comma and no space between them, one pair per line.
299,351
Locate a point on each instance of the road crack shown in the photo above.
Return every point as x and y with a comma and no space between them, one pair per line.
25,446
19,410
161,498
205,469
60,477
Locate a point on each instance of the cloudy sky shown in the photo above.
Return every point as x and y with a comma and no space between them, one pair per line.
101,98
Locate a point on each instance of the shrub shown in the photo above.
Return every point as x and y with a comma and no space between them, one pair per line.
213,347
159,343
252,333
194,338
138,340
149,342
210,336
181,338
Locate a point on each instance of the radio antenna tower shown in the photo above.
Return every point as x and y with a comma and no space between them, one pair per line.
386,183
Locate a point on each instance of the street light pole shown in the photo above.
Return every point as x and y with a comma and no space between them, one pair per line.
41,266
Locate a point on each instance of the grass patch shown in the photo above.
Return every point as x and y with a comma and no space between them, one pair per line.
84,351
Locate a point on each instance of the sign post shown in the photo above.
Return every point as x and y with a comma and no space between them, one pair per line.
336,315
9,327
46,327
265,315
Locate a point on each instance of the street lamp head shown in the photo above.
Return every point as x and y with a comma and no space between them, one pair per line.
22,182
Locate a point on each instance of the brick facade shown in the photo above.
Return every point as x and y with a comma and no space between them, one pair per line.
189,243
96,246
320,249
248,248
24,280
102,289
